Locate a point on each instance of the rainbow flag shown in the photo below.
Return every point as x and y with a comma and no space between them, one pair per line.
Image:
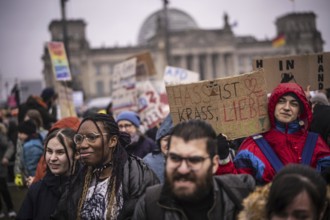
279,41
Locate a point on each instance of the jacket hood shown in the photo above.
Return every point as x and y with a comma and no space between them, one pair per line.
284,88
164,129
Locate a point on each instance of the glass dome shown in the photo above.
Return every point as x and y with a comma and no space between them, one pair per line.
177,21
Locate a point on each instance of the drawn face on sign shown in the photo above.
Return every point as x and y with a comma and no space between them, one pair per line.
287,109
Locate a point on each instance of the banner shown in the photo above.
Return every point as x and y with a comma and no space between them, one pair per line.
59,61
124,95
235,106
313,70
175,75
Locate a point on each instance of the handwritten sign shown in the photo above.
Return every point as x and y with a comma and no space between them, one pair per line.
124,96
144,65
235,106
305,70
149,104
59,61
175,75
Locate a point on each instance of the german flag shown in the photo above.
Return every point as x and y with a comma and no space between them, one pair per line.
279,41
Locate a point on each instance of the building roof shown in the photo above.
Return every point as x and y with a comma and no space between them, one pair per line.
177,21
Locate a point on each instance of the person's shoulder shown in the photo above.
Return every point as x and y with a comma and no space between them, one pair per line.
247,142
236,180
138,167
148,140
36,187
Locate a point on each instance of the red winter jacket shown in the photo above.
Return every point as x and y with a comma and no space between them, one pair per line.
287,142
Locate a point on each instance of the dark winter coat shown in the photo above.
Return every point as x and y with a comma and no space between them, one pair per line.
164,206
35,102
321,121
142,147
137,177
42,198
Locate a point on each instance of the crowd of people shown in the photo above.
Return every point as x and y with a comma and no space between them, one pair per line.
103,166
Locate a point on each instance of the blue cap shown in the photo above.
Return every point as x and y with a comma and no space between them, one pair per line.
129,116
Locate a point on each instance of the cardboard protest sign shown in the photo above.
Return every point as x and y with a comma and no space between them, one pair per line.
59,61
65,100
124,95
175,75
313,70
149,104
235,106
144,65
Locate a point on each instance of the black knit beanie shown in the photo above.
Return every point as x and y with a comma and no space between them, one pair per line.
27,127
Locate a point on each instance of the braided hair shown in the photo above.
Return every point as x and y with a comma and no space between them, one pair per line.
119,158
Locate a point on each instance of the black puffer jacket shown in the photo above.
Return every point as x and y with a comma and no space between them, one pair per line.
42,197
228,193
137,177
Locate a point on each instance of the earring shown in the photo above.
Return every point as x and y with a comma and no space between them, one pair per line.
301,123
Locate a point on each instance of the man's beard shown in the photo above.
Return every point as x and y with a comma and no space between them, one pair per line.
134,138
202,187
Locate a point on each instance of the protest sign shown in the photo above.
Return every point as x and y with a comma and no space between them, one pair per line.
124,95
144,65
149,105
235,106
175,75
59,61
65,100
305,70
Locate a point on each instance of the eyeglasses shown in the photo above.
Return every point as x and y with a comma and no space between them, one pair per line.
90,137
194,163
126,126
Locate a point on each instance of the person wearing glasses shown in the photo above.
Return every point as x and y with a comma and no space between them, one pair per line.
190,190
140,144
110,181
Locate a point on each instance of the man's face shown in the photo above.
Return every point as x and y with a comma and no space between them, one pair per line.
128,127
189,179
287,109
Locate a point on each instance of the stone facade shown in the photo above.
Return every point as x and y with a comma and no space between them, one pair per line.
212,53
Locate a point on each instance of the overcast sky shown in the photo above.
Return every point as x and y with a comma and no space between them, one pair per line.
24,24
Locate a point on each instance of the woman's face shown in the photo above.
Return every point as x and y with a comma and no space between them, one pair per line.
56,158
301,208
89,143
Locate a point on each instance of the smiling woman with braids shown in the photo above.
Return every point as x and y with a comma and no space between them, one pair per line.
111,181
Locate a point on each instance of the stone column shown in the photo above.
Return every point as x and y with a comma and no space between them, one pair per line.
195,63
208,67
183,63
221,65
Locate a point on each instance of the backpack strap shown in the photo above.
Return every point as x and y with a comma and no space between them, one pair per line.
151,198
309,147
268,152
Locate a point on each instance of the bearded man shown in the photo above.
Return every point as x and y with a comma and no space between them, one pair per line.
190,190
